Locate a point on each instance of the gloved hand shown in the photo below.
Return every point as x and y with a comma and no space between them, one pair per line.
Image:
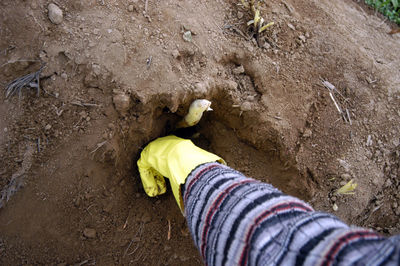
174,158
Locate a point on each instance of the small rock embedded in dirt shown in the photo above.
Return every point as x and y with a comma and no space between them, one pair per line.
307,133
291,26
187,36
130,8
55,14
302,38
246,106
89,233
345,176
122,103
47,127
238,70
176,54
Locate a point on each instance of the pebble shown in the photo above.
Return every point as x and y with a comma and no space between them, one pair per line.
291,26
47,127
130,8
176,54
345,176
89,233
55,14
302,38
122,103
238,70
187,36
307,133
246,106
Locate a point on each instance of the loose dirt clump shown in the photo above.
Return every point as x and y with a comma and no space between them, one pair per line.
119,74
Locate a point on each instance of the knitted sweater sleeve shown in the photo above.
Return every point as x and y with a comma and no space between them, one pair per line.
236,220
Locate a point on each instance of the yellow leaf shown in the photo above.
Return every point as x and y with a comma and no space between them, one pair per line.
347,189
256,18
263,28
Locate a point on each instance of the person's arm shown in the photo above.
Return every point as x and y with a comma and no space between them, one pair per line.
235,220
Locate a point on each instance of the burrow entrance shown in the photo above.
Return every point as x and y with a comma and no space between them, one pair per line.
240,137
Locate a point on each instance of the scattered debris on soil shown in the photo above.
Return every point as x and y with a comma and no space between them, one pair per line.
120,74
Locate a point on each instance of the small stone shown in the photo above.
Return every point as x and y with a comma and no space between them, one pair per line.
55,14
187,36
122,103
238,70
302,38
239,15
345,176
307,133
246,106
111,126
89,233
369,141
176,54
335,207
266,45
83,114
291,26
130,8
47,127
64,75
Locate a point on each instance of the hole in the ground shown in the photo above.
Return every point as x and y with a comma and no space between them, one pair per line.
233,135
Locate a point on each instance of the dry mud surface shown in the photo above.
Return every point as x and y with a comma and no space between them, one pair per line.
119,74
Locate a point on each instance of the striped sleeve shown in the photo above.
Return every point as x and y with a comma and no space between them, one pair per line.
236,220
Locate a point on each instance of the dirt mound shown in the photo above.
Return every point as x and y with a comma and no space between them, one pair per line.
119,74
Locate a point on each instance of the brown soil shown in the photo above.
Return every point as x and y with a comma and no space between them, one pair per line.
117,77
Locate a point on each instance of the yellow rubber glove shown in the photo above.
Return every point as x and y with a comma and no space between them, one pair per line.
174,158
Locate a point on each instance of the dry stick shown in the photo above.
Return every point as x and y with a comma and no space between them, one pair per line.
133,238
99,145
146,4
331,88
169,230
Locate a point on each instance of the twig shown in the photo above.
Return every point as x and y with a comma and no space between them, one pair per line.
31,80
126,223
20,60
146,4
134,250
81,104
126,250
331,89
169,230
133,239
99,145
348,116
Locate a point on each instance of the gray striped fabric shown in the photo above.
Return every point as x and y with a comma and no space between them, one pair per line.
236,220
